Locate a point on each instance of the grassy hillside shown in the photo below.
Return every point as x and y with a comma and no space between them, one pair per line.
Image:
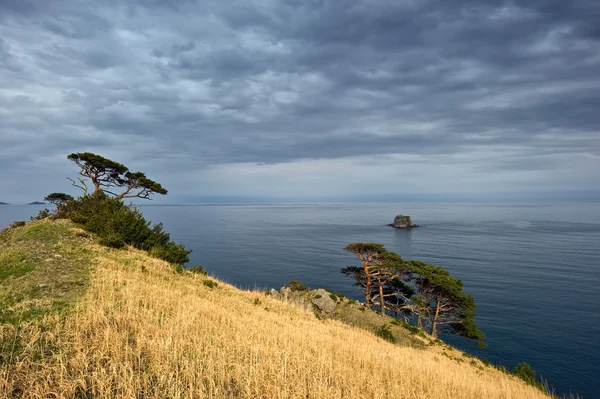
81,320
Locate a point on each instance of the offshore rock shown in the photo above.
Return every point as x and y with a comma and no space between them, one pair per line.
403,222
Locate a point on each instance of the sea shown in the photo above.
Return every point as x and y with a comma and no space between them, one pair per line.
534,270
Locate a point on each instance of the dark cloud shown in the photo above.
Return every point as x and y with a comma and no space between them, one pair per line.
272,82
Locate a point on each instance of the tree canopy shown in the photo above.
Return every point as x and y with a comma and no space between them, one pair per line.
109,176
367,253
421,293
58,199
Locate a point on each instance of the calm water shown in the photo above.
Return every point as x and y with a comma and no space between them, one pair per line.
534,270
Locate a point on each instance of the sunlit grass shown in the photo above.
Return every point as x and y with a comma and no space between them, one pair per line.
143,331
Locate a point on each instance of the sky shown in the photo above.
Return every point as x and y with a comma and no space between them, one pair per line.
302,100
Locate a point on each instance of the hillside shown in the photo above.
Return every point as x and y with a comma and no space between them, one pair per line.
81,320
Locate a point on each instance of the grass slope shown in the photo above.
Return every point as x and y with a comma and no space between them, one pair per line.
80,320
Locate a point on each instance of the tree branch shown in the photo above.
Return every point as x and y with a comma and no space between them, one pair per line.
84,188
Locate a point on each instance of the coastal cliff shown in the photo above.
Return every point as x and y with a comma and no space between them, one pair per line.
81,320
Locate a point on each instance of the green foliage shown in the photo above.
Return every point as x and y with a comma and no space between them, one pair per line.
117,225
58,199
525,372
409,327
17,223
197,270
107,175
337,296
170,252
138,180
179,269
210,283
385,333
364,248
296,285
113,241
97,163
42,214
423,293
502,369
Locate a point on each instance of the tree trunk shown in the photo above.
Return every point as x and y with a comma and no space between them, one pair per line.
381,301
435,318
368,284
96,182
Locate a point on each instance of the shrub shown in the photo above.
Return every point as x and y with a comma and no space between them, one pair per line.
197,270
525,372
113,241
42,214
179,269
210,283
118,224
171,252
409,327
296,285
17,223
385,333
337,296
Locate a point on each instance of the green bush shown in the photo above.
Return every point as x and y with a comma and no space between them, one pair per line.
384,332
337,296
118,224
179,269
17,223
525,372
210,283
296,285
113,241
197,270
409,327
42,214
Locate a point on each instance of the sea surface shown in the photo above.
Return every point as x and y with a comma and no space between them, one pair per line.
534,270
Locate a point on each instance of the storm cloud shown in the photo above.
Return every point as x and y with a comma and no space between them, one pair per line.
300,98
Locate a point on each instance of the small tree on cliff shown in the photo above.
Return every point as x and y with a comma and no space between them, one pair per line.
107,175
391,292
450,310
58,199
368,253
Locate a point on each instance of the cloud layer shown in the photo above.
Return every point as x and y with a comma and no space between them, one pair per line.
301,98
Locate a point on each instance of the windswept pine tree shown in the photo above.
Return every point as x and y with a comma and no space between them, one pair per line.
58,199
108,176
392,292
368,254
420,293
450,310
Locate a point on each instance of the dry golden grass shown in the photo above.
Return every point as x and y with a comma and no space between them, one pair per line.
142,331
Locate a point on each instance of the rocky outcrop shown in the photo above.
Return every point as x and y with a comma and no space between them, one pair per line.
335,306
403,222
318,300
323,300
